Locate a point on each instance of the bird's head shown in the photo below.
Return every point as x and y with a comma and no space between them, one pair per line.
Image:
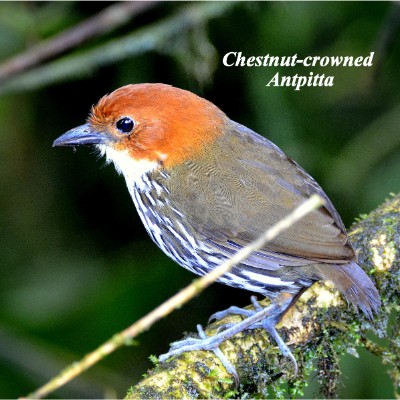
143,126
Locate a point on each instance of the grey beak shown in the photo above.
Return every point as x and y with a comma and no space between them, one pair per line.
81,135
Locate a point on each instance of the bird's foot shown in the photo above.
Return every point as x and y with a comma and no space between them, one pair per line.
260,317
268,323
237,311
203,343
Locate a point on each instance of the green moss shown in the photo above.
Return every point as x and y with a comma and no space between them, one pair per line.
153,359
321,333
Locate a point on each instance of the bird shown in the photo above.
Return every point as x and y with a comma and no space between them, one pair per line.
205,186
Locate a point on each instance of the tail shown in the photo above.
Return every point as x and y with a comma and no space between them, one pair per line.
355,284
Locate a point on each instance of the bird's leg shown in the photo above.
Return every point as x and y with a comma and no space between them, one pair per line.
284,301
231,311
237,311
225,362
265,318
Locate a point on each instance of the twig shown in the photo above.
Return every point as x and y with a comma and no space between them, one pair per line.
149,38
176,301
319,328
105,21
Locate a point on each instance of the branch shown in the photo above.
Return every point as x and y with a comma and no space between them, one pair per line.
157,36
319,327
105,21
127,335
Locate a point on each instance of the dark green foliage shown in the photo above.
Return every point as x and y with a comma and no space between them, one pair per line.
77,265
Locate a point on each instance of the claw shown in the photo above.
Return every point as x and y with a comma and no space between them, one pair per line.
266,318
269,326
224,327
203,343
225,362
185,342
255,303
231,311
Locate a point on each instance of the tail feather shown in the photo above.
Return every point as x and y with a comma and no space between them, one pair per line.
355,284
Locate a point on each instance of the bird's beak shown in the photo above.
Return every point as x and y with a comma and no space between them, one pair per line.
82,135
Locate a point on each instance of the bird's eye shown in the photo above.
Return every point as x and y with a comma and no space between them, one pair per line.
125,125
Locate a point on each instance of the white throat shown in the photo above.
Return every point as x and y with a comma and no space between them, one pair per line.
132,169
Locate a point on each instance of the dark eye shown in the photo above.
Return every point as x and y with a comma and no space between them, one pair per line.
125,125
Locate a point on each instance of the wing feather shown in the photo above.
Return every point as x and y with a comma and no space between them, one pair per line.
231,200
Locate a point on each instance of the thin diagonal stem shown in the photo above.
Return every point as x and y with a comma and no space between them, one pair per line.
176,301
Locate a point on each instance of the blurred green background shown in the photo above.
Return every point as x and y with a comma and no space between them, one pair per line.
76,263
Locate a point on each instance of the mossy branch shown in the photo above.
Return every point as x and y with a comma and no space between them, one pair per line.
319,328
183,296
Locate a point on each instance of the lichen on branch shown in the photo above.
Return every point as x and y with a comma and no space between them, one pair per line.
319,328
